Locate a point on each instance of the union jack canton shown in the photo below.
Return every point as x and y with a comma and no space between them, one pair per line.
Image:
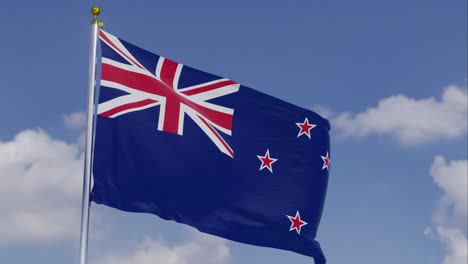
162,88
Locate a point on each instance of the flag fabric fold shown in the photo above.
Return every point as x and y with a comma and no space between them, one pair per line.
205,151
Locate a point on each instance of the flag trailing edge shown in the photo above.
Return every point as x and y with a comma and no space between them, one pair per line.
205,151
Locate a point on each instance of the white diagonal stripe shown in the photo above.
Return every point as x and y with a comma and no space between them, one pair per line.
215,93
190,112
119,45
116,102
135,109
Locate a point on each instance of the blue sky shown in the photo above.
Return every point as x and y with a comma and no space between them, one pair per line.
390,75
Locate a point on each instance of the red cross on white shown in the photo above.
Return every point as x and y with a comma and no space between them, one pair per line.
326,162
147,89
267,161
304,128
296,223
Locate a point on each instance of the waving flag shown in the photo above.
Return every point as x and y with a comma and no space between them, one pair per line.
203,150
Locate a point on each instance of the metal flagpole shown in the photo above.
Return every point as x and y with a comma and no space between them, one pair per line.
95,11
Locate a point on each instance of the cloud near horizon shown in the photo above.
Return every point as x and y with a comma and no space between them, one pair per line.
412,121
41,188
450,216
41,199
199,249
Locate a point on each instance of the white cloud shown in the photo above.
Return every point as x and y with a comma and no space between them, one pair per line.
40,190
202,249
456,243
75,120
323,111
411,120
451,212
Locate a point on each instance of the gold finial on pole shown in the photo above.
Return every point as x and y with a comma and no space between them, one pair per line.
95,11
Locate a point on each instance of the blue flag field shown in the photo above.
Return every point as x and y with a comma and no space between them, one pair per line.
205,151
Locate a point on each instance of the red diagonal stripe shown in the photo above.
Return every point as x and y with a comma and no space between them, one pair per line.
128,106
226,146
221,119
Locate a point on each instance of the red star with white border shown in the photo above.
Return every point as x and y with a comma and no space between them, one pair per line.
267,161
326,162
296,223
305,128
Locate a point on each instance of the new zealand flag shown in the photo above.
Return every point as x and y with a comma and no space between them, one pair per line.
205,151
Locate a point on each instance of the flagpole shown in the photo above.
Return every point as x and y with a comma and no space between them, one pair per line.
95,11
